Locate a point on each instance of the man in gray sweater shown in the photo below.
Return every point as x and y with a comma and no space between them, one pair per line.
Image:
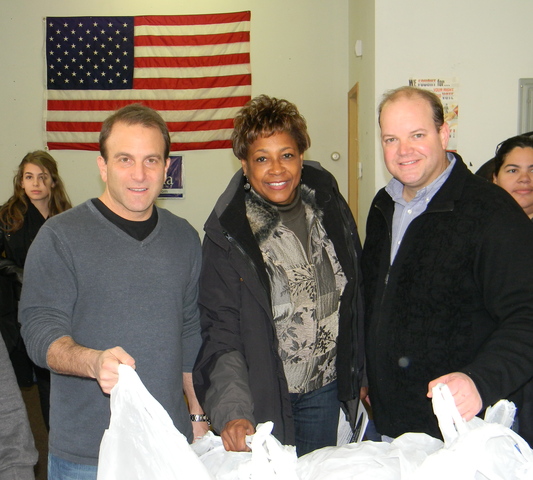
111,281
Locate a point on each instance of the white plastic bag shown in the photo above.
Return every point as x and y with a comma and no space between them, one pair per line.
141,442
369,460
269,459
476,449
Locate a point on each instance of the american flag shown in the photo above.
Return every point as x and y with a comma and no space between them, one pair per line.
193,69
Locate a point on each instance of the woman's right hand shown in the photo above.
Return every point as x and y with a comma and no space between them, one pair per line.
234,435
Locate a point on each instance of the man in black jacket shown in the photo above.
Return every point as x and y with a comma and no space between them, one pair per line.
448,277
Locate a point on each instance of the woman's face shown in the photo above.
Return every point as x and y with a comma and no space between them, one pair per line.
274,167
37,184
516,176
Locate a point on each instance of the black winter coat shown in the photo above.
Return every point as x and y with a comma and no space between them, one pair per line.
236,313
457,297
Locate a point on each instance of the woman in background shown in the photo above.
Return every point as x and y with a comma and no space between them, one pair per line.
38,194
279,290
513,171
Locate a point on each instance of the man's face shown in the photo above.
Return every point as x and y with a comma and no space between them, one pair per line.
135,170
413,149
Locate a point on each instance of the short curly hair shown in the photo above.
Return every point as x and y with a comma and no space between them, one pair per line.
264,116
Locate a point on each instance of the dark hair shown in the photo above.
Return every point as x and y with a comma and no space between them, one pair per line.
134,114
410,92
263,116
13,211
504,148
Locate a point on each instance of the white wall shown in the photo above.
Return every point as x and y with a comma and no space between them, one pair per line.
362,70
299,51
486,44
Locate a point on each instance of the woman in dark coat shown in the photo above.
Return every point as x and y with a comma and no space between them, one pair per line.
279,291
38,194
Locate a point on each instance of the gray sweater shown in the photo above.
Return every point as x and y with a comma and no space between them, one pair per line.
17,450
88,279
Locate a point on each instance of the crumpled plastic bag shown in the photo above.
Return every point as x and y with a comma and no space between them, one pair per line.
269,459
477,449
369,460
142,442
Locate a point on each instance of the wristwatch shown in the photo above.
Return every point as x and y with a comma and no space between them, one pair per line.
200,418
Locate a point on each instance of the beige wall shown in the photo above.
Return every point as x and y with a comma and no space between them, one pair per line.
484,43
299,51
302,50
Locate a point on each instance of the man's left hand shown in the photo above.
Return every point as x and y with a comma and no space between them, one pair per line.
199,429
464,391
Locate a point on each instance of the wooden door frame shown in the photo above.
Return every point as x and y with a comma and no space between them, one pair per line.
353,150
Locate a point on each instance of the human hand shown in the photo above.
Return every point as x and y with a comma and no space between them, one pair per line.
106,367
199,429
234,435
464,391
363,395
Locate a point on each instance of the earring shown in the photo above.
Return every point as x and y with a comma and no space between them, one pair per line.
247,184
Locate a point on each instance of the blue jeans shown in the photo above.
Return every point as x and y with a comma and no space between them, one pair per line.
316,418
59,469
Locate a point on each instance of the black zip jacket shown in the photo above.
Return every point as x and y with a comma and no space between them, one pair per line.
458,297
236,313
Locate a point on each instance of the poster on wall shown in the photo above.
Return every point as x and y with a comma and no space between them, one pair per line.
173,187
447,91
